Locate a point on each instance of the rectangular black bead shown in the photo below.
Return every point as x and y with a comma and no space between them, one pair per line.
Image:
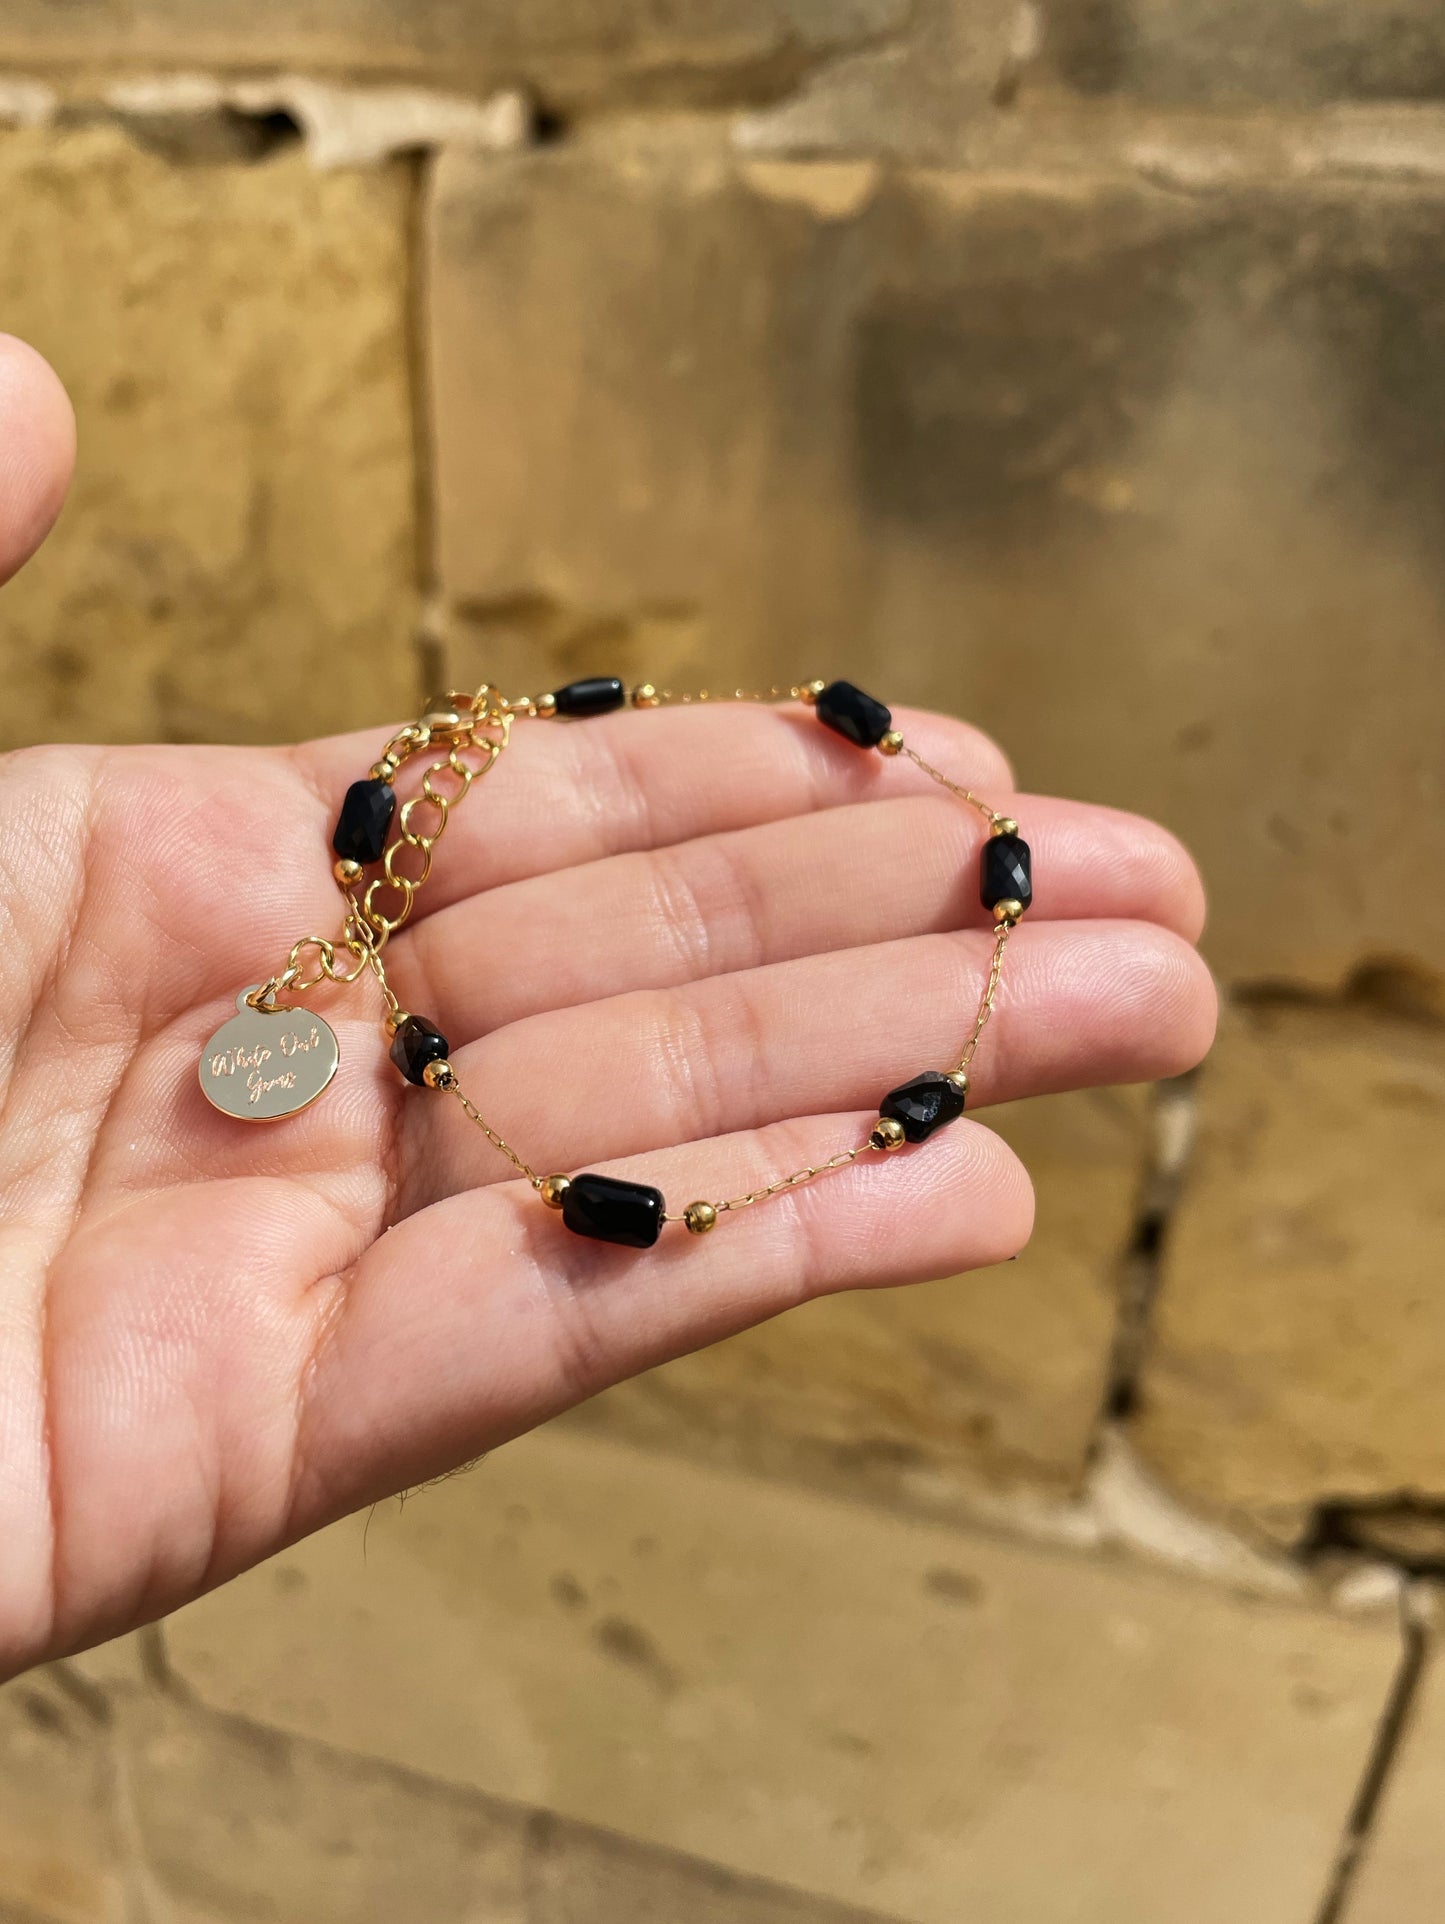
416,1043
857,717
365,817
927,1103
1006,873
599,695
613,1211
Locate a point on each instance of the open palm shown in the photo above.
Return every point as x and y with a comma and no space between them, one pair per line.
693,945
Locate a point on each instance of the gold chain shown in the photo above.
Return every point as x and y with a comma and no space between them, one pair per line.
795,1181
461,722
473,729
963,794
454,1088
989,996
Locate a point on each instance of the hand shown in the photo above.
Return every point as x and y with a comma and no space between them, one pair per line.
698,943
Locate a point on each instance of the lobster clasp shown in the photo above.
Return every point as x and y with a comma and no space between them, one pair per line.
451,717
456,717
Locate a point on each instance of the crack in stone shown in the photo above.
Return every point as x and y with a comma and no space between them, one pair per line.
1404,1528
1402,988
1389,1735
1139,1274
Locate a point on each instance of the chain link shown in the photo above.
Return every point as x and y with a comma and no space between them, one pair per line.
795,1181
989,814
480,723
697,698
453,1088
420,842
990,994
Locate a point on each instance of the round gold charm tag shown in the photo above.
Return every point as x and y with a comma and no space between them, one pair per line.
267,1063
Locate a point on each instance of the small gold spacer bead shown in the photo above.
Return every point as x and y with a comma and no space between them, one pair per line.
810,690
1008,910
394,1020
552,1189
891,743
546,706
1003,825
700,1217
887,1134
438,1075
644,695
346,871
959,1079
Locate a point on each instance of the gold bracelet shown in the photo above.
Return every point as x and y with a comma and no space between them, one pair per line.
272,1059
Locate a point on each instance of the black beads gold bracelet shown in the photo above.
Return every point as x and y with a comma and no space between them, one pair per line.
272,1059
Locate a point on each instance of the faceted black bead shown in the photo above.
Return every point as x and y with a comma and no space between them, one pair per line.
924,1104
852,714
364,819
1005,871
613,1211
597,696
416,1043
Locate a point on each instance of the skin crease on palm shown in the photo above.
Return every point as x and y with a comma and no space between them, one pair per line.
693,946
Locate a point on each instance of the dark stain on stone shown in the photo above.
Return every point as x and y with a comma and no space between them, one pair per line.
41,1712
1311,1700
953,1586
567,1591
627,1643
1090,44
1188,54
124,394
864,1453
63,663
1401,59
1006,352
851,1744
1040,337
1373,290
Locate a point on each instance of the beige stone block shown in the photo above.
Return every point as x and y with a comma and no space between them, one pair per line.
928,1396
233,1820
237,558
932,96
139,1803
1297,1337
60,1850
1122,80
1138,480
1214,53
881,1711
572,50
1402,1875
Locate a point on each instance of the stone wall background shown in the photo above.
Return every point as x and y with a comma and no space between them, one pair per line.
1073,365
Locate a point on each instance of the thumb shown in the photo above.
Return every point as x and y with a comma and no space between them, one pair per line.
37,451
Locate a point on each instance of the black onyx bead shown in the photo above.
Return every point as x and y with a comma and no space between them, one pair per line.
852,714
613,1211
924,1104
597,696
416,1043
1005,871
364,819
